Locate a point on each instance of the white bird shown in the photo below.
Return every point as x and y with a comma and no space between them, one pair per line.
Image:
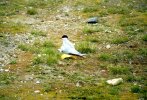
68,47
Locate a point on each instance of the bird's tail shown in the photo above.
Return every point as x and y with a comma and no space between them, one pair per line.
82,54
79,54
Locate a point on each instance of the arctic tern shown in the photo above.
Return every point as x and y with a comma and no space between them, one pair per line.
68,47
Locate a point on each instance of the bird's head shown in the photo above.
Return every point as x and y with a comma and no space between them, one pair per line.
64,36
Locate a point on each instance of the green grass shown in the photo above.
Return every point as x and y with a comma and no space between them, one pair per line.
130,78
6,78
118,70
90,9
124,61
131,30
135,89
23,47
144,38
47,87
120,40
118,10
90,30
105,57
13,28
143,52
93,39
32,11
49,59
86,47
38,33
91,93
13,61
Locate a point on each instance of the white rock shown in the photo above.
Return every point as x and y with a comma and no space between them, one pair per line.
6,70
108,46
1,70
37,82
77,84
115,81
37,91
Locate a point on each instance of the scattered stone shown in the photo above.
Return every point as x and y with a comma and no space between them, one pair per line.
115,81
1,70
108,46
79,83
37,82
28,77
92,20
37,91
7,70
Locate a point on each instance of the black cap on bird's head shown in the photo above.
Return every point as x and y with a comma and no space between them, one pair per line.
64,36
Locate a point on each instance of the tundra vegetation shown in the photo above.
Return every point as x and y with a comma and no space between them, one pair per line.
116,46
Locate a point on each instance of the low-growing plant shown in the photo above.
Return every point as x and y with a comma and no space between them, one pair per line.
144,38
48,56
130,78
125,21
103,13
86,47
135,89
118,10
90,9
31,11
143,52
13,61
105,57
120,40
38,33
90,30
6,78
35,69
23,47
114,90
38,60
52,59
47,87
131,30
48,44
92,39
127,55
13,28
118,70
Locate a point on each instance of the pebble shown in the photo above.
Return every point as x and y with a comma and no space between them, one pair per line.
108,46
92,20
37,82
37,91
77,84
115,81
6,70
1,70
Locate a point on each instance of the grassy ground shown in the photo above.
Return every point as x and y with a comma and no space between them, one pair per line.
38,72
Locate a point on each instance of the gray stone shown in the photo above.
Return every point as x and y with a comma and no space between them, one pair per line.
92,20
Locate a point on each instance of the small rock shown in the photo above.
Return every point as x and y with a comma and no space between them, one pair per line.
28,77
108,46
77,84
1,70
37,91
6,70
92,20
39,55
115,81
37,82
